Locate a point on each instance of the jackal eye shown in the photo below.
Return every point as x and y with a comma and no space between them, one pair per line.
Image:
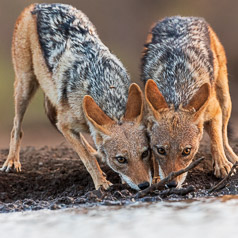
145,154
161,150
186,151
121,159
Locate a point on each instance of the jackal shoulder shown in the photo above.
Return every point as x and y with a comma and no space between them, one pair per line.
178,57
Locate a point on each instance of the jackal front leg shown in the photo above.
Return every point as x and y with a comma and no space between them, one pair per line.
87,158
25,88
221,164
13,160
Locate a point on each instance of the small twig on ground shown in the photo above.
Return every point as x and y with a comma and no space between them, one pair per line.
180,192
224,181
161,184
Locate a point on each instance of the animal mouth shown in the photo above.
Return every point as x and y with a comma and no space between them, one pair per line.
129,182
179,181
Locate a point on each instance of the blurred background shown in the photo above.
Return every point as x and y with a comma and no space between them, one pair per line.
122,26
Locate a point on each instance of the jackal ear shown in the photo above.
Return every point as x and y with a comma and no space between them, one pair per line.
199,100
95,115
135,104
154,97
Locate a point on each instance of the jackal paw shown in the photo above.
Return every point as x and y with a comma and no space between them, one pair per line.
11,164
104,184
223,169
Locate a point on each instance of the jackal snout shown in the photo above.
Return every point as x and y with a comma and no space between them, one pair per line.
137,172
172,184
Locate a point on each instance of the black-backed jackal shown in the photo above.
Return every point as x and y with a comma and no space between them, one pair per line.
184,69
86,88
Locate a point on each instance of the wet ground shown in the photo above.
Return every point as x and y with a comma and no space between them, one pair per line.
54,178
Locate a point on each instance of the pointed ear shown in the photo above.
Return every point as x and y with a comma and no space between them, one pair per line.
199,100
154,97
135,104
96,115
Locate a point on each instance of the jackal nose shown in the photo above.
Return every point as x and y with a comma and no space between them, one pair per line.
144,185
172,184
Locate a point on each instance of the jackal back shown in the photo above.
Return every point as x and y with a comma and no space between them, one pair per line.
178,57
79,62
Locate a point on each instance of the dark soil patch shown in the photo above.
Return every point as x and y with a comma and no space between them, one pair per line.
55,178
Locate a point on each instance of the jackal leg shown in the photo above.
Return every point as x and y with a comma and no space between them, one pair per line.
214,128
223,95
225,102
88,159
25,87
226,112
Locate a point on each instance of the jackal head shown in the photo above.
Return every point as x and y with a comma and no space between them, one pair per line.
123,145
175,134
